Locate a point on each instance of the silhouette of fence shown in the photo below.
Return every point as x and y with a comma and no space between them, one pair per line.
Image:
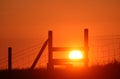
103,50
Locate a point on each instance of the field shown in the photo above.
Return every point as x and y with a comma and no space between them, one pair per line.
109,71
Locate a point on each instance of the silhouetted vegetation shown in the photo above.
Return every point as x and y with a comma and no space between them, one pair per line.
108,71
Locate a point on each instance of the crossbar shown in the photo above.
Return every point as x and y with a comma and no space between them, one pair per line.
66,48
63,61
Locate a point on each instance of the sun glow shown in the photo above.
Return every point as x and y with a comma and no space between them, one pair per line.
75,54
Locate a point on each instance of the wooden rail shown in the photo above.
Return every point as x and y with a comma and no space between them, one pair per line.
65,61
66,48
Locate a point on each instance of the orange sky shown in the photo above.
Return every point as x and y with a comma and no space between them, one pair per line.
28,18
31,19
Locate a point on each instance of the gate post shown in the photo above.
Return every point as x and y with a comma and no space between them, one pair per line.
86,48
50,53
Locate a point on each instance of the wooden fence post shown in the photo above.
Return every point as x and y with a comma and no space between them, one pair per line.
86,48
50,53
9,59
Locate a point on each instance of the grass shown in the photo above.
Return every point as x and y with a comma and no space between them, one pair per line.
108,71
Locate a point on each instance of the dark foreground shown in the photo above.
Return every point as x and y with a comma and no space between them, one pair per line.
110,71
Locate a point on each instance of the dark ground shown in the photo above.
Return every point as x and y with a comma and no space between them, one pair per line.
109,71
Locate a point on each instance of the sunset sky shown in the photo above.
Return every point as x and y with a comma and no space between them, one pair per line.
28,21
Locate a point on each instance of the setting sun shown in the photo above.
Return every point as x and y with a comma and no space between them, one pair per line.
75,54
